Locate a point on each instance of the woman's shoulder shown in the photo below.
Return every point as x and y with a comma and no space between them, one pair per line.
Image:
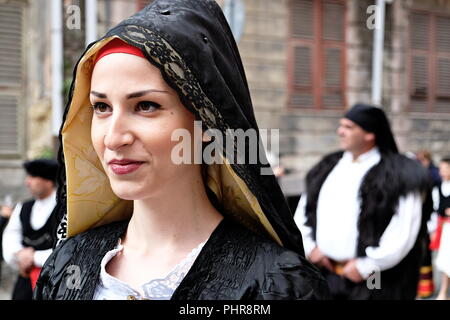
94,237
277,272
76,253
239,238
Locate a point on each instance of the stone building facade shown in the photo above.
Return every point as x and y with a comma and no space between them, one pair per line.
306,62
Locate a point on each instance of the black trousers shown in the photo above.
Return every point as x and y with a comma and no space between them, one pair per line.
22,289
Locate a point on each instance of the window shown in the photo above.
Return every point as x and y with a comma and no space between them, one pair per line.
429,62
317,54
11,85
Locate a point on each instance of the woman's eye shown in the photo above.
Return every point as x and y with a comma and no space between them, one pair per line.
147,106
101,108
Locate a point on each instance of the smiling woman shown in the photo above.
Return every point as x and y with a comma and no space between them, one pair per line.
136,224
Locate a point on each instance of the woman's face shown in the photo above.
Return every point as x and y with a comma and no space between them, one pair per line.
135,113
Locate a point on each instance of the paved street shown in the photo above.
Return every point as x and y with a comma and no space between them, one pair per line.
8,277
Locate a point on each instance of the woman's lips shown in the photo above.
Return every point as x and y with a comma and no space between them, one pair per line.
125,168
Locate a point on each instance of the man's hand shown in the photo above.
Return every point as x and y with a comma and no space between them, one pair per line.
317,257
6,211
351,272
447,212
25,259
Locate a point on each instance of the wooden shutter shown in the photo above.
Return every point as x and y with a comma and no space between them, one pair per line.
303,19
303,86
332,82
10,75
303,41
420,79
317,49
9,124
333,21
442,103
333,54
419,62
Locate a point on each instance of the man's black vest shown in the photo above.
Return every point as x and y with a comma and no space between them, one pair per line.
394,176
40,239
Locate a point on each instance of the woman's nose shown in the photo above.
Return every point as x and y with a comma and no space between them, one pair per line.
119,132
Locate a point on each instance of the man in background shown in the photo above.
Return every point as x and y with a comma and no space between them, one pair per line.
361,215
28,238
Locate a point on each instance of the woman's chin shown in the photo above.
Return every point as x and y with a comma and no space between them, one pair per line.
128,192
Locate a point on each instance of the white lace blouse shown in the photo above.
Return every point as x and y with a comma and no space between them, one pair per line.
111,288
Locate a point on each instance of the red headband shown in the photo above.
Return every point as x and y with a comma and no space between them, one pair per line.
118,46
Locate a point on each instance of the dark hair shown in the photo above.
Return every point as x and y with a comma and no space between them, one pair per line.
426,154
446,159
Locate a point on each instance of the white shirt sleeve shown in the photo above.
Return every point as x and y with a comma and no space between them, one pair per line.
307,233
397,240
432,224
435,195
12,238
41,256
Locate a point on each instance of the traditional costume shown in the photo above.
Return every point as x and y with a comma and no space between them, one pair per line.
442,196
32,224
370,209
255,252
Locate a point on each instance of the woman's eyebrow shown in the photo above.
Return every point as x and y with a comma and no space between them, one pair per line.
141,93
130,95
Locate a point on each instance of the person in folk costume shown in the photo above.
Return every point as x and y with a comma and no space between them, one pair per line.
425,158
361,217
426,285
441,196
29,236
138,225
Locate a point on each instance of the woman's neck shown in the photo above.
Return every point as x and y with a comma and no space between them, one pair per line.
179,220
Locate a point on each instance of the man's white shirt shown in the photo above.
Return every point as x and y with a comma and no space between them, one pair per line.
12,235
338,209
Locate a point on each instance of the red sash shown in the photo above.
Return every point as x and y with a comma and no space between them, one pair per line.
436,241
34,275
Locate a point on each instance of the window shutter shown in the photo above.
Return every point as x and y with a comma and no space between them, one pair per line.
10,44
303,96
10,75
333,93
419,45
443,85
420,31
303,50
333,21
8,124
443,65
303,19
333,49
443,34
317,45
419,90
